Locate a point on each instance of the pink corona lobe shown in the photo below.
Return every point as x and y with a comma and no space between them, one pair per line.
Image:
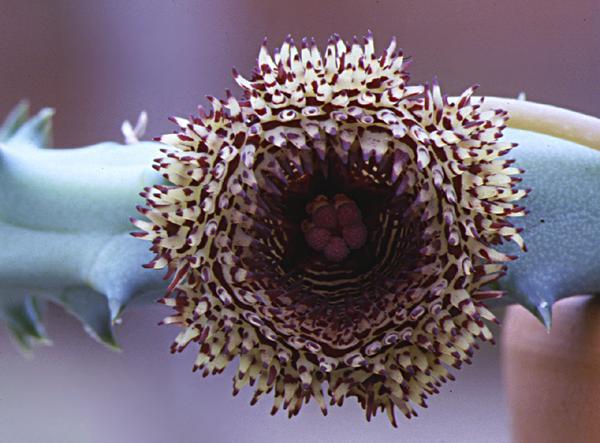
330,229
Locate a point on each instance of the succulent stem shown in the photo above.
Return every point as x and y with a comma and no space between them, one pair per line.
565,183
547,119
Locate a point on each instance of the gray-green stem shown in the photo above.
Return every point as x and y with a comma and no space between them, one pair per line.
64,219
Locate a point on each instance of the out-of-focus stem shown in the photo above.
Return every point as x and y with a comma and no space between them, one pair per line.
551,120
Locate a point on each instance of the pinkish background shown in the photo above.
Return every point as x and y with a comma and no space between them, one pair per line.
101,62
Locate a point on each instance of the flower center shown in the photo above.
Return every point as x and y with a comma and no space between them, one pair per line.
331,235
334,227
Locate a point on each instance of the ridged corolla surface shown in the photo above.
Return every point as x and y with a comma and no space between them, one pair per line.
330,229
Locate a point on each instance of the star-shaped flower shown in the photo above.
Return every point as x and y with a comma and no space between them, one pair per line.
331,228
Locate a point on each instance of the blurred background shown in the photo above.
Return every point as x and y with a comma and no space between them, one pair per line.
99,63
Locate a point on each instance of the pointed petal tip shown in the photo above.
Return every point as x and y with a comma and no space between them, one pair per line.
112,344
37,130
115,307
543,312
107,338
22,104
25,342
14,120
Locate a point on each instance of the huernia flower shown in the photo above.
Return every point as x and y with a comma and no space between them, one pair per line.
331,228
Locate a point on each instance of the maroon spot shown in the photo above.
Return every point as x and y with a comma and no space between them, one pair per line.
336,250
355,236
317,238
324,216
347,211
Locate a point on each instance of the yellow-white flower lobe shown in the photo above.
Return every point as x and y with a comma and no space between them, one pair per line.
331,228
